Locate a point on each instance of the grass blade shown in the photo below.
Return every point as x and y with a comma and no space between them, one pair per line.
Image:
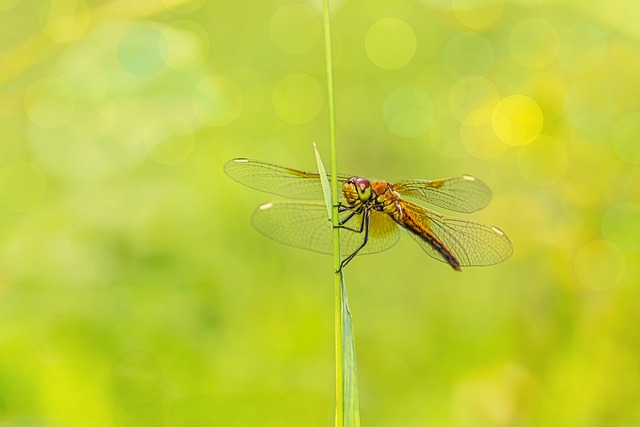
347,412
326,188
351,411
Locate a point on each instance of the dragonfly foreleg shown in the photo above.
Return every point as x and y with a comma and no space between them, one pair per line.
365,226
351,215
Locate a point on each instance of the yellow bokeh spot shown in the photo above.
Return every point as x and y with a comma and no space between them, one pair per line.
517,120
471,93
621,225
169,140
468,54
408,112
600,265
65,21
50,103
217,100
23,186
589,105
626,138
390,43
188,44
359,111
533,43
295,28
544,161
583,48
298,98
477,14
477,136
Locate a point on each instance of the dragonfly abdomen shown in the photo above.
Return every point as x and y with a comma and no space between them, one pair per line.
409,222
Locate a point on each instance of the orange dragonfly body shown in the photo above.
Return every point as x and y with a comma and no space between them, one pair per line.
373,212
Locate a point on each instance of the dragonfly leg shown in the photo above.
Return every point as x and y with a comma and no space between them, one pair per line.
364,226
348,217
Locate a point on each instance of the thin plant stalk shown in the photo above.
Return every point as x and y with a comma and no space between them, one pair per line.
334,217
347,414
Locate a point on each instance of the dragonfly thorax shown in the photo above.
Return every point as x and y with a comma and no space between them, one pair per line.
376,195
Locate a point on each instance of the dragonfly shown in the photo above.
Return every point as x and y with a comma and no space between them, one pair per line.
372,214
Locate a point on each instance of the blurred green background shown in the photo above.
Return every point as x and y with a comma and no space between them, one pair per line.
134,292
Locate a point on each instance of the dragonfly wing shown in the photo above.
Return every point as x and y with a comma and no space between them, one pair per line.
305,225
461,193
473,243
285,182
383,233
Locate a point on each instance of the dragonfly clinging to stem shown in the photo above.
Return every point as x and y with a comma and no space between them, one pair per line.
373,212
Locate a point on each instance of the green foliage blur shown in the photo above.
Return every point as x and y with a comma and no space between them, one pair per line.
134,292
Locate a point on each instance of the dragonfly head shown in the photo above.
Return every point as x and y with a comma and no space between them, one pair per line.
362,188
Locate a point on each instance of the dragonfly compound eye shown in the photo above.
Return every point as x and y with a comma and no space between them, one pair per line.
364,188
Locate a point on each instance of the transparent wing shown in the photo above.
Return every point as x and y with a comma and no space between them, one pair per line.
461,193
473,243
285,182
305,225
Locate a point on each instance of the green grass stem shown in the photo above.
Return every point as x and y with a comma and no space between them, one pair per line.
347,413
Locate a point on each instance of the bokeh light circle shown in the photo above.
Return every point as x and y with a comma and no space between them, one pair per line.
298,98
23,186
477,14
295,28
468,54
142,50
65,24
589,105
600,265
544,161
50,102
169,140
477,136
533,43
621,225
626,138
188,44
390,43
583,48
217,100
517,120
359,111
408,112
471,93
